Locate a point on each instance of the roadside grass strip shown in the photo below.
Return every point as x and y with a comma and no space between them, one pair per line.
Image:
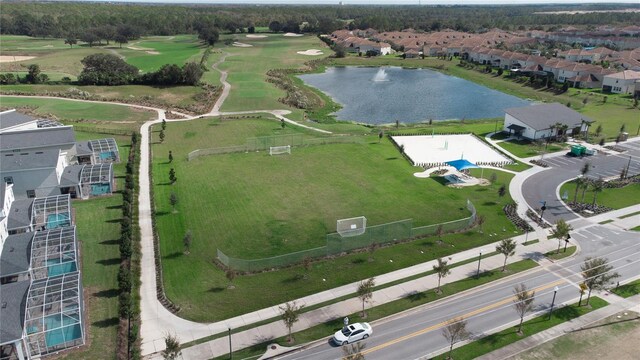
381,311
531,242
628,290
508,336
562,254
629,215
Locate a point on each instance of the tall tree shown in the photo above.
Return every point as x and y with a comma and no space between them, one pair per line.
120,39
173,200
230,274
580,182
506,247
172,176
365,293
290,314
561,232
70,40
442,269
455,331
106,69
597,274
523,303
33,76
502,191
275,26
209,34
597,188
187,241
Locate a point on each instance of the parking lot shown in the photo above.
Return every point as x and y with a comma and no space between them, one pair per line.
543,186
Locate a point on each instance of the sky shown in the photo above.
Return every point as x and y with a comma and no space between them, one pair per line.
378,2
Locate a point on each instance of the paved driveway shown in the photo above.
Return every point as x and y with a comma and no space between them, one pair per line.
543,186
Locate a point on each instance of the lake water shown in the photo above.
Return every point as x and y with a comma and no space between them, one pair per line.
379,95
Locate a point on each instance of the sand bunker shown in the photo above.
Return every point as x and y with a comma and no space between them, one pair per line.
152,52
311,52
239,44
139,48
8,58
256,36
292,34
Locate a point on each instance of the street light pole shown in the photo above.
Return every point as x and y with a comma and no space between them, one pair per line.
555,291
230,350
478,272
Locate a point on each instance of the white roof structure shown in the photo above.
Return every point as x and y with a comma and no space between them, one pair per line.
53,316
51,212
53,252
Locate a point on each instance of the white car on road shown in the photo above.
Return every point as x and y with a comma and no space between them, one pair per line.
352,333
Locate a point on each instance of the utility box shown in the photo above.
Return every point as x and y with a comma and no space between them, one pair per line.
578,150
623,136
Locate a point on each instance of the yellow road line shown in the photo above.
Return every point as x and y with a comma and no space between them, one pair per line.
444,323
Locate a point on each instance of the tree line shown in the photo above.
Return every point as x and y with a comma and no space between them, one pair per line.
109,69
108,22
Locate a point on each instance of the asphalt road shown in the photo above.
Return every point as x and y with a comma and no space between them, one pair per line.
418,333
543,186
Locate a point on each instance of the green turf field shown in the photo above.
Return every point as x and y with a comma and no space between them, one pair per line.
247,67
252,205
90,114
149,54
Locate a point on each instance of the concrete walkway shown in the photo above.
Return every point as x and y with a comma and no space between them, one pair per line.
616,305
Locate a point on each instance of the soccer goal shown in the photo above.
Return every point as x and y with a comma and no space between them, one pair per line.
278,150
352,226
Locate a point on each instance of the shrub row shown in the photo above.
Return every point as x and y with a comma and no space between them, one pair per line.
160,294
129,271
512,214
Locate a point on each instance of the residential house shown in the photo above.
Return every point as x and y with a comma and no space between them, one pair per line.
540,121
623,82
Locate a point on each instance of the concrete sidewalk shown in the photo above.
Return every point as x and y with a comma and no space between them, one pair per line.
616,305
340,309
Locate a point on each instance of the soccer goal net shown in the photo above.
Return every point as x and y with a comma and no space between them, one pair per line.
352,227
278,150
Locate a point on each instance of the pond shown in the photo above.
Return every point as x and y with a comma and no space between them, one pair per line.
380,95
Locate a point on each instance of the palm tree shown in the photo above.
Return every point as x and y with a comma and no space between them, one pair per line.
580,181
597,187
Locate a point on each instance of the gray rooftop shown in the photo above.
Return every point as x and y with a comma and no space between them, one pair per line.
16,254
543,116
20,214
15,296
30,159
13,118
71,175
83,148
37,138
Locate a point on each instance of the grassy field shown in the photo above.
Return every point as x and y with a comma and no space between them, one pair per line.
253,206
147,54
628,290
525,148
606,339
505,337
90,114
180,96
98,231
247,67
613,198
